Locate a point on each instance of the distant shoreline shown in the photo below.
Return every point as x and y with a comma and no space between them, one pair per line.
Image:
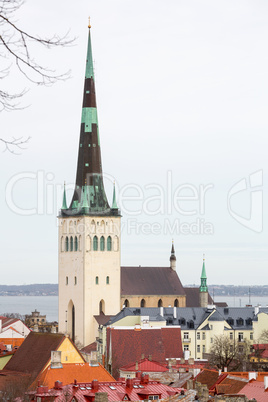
51,289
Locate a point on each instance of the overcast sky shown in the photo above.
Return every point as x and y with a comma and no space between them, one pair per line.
182,95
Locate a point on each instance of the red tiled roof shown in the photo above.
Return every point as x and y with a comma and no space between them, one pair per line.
145,365
35,352
116,391
255,389
230,385
244,374
92,347
208,377
128,345
71,371
150,281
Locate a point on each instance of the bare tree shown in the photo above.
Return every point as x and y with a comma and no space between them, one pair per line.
225,352
264,336
16,48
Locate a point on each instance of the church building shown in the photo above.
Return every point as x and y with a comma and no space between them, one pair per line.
92,283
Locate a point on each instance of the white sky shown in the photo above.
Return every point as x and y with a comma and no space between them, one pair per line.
182,95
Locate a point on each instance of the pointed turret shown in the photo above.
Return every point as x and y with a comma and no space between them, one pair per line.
114,205
203,290
89,179
64,203
172,257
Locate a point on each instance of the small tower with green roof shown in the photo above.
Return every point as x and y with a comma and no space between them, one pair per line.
203,290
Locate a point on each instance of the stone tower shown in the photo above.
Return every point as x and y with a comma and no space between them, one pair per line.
89,234
203,290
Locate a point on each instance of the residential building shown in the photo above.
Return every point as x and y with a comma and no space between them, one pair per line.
38,352
126,345
198,325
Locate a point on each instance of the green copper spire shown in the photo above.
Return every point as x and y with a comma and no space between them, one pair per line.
64,203
114,206
89,196
203,287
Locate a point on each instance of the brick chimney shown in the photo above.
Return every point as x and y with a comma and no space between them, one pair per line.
129,383
150,358
58,385
95,385
137,366
144,379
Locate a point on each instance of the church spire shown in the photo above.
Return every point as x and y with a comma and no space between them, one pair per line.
203,287
172,257
89,195
114,205
64,203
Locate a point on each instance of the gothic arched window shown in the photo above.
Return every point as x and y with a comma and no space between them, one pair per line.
107,280
176,303
109,243
97,280
66,243
160,303
75,243
95,243
102,243
71,244
143,303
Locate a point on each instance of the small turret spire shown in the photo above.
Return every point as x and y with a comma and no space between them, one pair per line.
114,205
64,203
173,257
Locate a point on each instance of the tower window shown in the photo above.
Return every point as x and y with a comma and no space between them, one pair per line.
75,280
176,303
107,280
66,280
95,243
102,243
126,303
66,243
71,244
97,280
109,243
75,243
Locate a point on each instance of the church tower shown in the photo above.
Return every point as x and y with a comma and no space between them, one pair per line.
203,290
89,234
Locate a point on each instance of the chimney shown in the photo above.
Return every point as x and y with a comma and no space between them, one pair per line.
256,310
225,369
138,375
145,379
252,375
0,325
95,385
101,397
56,359
219,372
58,385
162,311
129,383
137,366
175,312
265,379
150,358
142,356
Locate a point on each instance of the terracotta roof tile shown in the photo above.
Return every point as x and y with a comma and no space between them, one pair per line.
150,281
128,345
71,371
208,377
145,365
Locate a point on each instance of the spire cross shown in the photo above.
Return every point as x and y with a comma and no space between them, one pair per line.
89,26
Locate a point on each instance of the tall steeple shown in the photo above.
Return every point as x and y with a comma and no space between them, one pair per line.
89,196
